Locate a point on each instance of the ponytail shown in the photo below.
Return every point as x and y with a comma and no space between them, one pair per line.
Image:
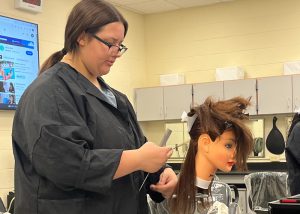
52,60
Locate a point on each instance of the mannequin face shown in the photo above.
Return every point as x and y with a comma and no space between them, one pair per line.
221,152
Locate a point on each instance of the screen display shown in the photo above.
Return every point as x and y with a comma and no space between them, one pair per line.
19,59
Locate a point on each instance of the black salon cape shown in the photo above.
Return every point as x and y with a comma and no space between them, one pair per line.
293,159
67,143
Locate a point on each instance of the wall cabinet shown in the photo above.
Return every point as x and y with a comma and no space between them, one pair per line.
269,95
275,95
162,103
245,88
203,90
149,103
176,100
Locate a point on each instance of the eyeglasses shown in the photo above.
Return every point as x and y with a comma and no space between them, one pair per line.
113,49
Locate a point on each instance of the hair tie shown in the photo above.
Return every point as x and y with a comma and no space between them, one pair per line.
64,51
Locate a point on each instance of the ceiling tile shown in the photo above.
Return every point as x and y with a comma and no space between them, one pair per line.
156,6
153,6
192,3
124,2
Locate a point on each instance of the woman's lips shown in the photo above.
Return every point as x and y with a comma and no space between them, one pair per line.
110,63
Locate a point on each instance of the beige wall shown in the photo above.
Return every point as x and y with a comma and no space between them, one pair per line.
127,73
258,35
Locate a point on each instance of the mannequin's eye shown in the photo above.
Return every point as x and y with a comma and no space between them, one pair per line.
228,145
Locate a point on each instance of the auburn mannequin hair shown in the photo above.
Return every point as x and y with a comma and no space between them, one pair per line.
212,119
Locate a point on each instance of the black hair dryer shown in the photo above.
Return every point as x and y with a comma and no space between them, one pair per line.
275,142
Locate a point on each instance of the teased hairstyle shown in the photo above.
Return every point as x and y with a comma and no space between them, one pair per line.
212,119
87,16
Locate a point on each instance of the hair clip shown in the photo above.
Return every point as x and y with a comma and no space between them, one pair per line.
190,120
227,125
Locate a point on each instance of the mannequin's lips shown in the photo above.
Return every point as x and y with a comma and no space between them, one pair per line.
231,163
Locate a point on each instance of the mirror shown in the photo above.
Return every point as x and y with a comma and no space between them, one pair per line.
179,139
257,128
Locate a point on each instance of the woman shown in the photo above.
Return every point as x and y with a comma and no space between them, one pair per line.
219,140
77,144
293,155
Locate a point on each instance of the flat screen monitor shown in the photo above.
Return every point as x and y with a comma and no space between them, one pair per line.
19,59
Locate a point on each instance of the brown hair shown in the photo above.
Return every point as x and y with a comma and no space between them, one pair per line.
212,119
87,16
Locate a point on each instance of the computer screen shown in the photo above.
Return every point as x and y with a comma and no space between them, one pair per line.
19,59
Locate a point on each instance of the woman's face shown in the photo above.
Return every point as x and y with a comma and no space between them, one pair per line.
95,55
222,151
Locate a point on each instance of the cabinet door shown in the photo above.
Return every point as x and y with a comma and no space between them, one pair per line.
149,103
176,100
274,95
203,90
296,92
245,88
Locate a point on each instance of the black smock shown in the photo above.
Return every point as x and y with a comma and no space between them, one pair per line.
293,159
68,141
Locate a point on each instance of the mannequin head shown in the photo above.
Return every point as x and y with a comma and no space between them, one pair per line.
219,139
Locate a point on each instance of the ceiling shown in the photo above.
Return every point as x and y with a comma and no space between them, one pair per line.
157,6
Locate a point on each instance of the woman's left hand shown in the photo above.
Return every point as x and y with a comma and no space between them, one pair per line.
167,183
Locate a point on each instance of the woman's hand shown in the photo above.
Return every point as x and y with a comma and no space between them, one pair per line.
167,183
152,157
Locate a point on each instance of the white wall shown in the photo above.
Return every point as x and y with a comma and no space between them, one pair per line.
127,73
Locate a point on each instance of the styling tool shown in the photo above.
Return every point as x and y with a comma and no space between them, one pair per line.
163,143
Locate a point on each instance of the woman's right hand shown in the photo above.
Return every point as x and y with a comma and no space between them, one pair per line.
152,157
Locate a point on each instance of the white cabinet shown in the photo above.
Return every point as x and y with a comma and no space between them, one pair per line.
149,104
162,103
296,92
177,99
244,88
203,90
274,95
270,95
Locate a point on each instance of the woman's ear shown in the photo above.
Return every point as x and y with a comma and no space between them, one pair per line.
204,142
82,39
